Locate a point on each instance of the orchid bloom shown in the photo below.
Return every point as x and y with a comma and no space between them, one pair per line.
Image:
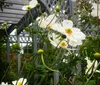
2,83
56,41
74,35
31,5
95,10
46,22
21,81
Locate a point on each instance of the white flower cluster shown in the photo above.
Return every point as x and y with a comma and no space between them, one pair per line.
74,36
21,81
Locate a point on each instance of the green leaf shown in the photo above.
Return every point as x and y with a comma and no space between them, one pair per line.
91,82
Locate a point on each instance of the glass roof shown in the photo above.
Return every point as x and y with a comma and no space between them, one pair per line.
13,13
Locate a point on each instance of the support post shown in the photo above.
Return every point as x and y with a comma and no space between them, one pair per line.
8,49
34,47
18,55
56,78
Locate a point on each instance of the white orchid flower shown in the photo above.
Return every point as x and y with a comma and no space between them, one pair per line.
31,5
74,35
21,81
56,41
95,10
2,83
89,64
46,22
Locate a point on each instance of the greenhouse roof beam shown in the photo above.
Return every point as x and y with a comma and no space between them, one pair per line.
9,17
11,13
8,22
25,22
17,2
16,9
11,28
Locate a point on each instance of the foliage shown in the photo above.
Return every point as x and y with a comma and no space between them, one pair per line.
63,48
91,46
16,48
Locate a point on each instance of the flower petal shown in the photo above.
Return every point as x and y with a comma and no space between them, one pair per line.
24,8
53,38
3,83
67,23
25,81
94,13
33,3
57,27
78,35
14,82
94,5
43,22
74,42
56,41
89,64
95,9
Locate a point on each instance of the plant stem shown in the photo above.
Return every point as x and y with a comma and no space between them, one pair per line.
21,72
47,66
6,71
92,74
67,82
